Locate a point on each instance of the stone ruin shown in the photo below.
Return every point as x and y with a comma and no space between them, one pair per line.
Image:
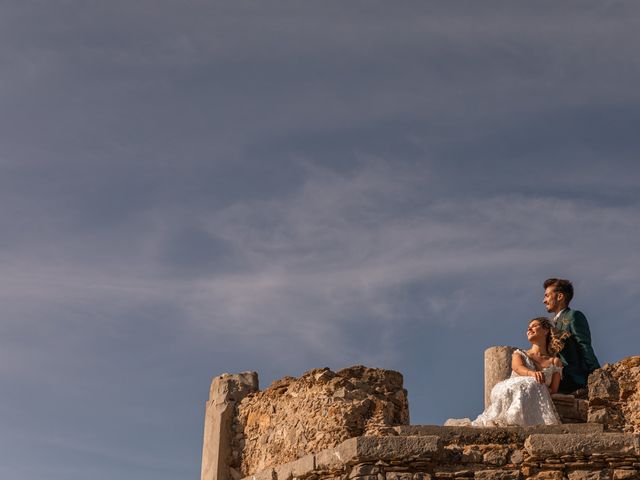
354,425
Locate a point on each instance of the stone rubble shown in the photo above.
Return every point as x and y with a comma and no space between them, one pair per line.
614,395
319,410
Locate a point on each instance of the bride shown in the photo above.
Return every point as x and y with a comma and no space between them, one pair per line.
525,397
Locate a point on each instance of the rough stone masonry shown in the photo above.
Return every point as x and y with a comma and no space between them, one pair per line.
354,425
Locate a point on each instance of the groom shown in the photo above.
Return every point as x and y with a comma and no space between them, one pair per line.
577,355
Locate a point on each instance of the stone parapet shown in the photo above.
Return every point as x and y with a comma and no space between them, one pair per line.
541,456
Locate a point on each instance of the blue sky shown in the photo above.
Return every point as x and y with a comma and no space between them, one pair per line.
191,188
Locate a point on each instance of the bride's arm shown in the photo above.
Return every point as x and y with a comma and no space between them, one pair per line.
555,379
519,367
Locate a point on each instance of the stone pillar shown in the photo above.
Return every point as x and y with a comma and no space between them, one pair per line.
226,390
497,367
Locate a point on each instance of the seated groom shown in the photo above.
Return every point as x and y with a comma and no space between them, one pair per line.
577,355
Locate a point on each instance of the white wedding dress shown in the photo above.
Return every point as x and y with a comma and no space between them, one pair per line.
518,400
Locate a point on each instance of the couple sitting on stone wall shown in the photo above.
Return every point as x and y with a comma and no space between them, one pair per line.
560,359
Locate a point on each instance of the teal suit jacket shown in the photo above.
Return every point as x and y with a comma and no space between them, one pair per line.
577,355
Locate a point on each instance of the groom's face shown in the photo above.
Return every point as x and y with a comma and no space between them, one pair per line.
552,300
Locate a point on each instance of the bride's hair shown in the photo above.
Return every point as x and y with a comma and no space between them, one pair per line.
555,337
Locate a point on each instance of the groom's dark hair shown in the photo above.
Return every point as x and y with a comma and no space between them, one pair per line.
560,285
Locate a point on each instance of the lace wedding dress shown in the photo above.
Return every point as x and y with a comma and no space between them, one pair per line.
518,400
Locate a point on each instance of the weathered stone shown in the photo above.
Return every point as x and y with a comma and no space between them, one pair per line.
266,474
474,435
334,458
497,367
517,457
569,408
364,469
366,477
590,475
471,455
548,475
319,410
497,475
496,456
297,468
598,415
625,475
399,476
226,390
547,445
367,449
463,474
397,448
422,476
602,387
614,395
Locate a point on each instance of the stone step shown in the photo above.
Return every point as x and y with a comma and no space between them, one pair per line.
466,434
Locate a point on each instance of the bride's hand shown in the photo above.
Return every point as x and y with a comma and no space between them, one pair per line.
539,376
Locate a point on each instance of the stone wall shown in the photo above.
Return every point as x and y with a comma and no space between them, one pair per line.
353,425
320,409
614,396
571,452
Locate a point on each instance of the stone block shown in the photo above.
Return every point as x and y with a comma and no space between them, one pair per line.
496,456
266,474
295,469
397,448
590,475
497,475
373,449
548,475
399,476
517,457
602,387
334,458
463,474
473,435
364,469
569,408
233,387
598,415
471,455
625,474
368,477
422,476
570,444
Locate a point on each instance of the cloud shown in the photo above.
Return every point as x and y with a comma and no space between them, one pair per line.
340,250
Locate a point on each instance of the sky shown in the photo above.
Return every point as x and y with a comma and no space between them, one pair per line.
192,188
